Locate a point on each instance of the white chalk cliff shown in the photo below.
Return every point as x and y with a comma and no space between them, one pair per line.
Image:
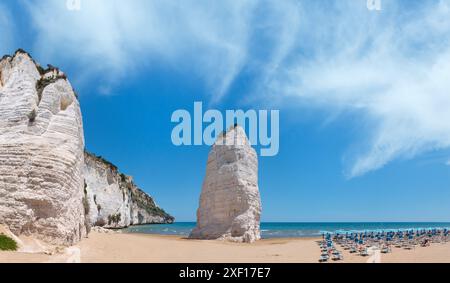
41,152
230,204
114,200
43,191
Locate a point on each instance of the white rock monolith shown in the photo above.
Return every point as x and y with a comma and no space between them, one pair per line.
41,153
230,204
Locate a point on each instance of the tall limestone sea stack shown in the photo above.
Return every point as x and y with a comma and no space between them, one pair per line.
41,152
230,204
46,188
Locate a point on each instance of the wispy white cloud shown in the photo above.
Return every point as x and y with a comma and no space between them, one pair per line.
207,38
393,68
214,40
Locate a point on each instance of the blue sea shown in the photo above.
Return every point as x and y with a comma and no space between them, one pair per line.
296,230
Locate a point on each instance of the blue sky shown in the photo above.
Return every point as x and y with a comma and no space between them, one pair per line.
363,95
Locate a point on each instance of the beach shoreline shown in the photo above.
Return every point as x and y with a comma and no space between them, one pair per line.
144,248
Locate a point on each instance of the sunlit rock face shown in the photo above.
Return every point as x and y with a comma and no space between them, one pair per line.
114,200
41,153
230,204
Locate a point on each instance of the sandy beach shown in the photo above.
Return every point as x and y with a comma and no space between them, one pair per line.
140,248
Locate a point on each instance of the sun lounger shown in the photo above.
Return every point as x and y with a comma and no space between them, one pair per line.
337,257
324,258
364,253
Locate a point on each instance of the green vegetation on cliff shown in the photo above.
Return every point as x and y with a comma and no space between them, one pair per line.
7,244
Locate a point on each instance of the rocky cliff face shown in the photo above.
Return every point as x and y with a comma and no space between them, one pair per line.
230,205
41,152
46,188
114,200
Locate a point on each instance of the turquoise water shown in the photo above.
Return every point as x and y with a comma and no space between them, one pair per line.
294,230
